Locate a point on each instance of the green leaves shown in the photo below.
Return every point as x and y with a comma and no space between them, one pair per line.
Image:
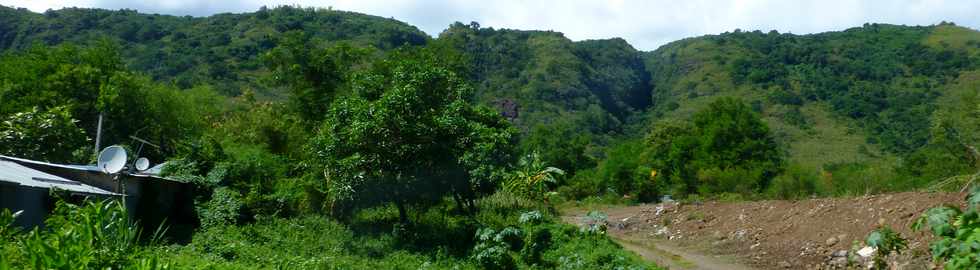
94,235
958,245
531,178
885,241
50,135
725,148
407,134
939,220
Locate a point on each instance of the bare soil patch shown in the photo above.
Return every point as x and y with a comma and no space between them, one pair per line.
805,234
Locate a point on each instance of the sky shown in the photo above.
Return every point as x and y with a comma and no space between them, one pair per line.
644,24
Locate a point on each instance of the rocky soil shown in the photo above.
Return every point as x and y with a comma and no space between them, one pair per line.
808,234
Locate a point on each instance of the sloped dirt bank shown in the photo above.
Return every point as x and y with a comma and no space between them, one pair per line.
805,234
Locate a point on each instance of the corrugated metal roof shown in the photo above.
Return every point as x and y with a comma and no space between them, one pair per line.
18,174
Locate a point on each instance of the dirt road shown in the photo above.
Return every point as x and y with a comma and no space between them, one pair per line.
807,234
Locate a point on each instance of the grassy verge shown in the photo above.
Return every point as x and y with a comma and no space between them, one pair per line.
507,233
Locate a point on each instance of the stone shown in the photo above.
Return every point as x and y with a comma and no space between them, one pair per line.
832,241
785,264
839,254
839,262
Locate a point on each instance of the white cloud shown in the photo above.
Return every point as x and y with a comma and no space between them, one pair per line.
645,24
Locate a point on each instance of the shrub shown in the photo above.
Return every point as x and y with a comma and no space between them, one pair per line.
796,182
491,250
537,242
51,135
595,223
958,246
863,178
7,227
531,218
746,181
224,208
885,241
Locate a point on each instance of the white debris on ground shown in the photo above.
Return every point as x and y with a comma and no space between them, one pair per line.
866,252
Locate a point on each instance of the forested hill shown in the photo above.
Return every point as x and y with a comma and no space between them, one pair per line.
831,98
569,97
222,50
859,101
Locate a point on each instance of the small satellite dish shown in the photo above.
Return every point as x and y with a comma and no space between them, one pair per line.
112,159
142,164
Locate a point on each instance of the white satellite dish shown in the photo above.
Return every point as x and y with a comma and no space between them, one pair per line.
142,164
112,159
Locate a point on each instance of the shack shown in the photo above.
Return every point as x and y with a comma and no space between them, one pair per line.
149,198
28,190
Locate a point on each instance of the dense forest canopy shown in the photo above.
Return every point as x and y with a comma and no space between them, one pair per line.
222,50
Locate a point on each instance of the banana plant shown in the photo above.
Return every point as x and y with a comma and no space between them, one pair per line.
531,177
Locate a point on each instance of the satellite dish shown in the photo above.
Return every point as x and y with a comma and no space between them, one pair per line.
112,159
142,164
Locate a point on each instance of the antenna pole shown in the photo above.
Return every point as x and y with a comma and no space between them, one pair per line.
98,135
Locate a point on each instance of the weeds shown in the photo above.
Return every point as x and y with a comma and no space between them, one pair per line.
958,246
885,241
94,235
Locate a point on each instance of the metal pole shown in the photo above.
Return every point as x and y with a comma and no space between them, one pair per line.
98,135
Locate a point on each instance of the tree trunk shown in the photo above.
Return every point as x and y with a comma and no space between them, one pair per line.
402,213
471,200
459,201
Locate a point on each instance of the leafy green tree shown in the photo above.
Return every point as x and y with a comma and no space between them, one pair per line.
560,144
408,135
731,135
725,148
313,75
50,135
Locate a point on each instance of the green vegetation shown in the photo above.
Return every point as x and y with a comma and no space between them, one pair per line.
378,146
223,51
958,232
886,242
92,235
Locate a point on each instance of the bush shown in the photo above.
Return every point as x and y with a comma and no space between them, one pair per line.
224,208
736,180
51,135
491,250
885,241
958,246
863,178
537,242
795,183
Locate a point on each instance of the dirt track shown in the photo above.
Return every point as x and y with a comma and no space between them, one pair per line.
770,234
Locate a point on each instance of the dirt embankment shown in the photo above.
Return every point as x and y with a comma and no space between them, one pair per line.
806,234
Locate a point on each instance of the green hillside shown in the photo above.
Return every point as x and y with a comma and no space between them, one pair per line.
400,150
569,97
222,50
864,98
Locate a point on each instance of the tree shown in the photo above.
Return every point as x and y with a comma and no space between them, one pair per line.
408,135
50,135
727,149
314,75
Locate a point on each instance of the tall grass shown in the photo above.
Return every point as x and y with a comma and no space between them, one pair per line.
93,235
